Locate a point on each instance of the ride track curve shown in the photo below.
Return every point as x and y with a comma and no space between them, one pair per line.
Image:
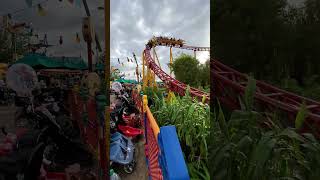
228,84
171,83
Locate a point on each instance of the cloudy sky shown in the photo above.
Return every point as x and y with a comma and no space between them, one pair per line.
134,22
62,18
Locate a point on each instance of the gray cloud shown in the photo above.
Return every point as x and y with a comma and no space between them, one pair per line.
134,22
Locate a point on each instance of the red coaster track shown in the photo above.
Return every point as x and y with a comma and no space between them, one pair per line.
228,84
173,84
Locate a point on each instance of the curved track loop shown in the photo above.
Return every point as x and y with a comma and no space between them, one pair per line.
228,84
173,84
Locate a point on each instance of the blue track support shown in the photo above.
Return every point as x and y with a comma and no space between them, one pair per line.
171,157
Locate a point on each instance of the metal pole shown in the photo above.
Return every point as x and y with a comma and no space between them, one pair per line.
107,79
89,56
88,14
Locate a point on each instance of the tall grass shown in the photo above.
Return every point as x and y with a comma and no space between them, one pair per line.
240,148
191,119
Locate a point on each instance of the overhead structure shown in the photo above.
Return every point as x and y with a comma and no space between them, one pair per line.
228,84
40,61
154,69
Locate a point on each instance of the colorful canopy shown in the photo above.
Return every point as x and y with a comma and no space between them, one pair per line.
129,81
39,61
100,66
50,72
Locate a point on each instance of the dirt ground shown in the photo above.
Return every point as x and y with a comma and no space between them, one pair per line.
140,172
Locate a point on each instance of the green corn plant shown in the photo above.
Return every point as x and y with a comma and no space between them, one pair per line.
302,113
192,120
249,93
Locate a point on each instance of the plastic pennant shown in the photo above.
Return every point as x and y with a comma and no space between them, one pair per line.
60,40
77,38
41,10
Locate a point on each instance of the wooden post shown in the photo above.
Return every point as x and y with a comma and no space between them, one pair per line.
107,79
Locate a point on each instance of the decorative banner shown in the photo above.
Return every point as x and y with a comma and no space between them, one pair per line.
61,40
41,10
29,3
45,40
77,38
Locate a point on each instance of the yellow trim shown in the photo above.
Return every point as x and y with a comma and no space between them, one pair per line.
153,124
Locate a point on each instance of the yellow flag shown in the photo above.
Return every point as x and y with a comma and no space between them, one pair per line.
41,10
77,38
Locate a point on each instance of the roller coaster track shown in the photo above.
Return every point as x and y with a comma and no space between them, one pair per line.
228,84
173,84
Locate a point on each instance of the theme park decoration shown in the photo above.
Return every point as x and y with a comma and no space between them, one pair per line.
41,61
22,79
41,10
77,38
154,69
60,40
94,83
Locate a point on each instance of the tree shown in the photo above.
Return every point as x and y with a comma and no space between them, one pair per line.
204,74
188,70
185,69
273,39
11,43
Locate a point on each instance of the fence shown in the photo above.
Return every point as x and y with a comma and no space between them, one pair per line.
88,113
162,148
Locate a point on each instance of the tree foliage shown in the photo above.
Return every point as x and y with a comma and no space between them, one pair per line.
13,43
188,70
274,39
